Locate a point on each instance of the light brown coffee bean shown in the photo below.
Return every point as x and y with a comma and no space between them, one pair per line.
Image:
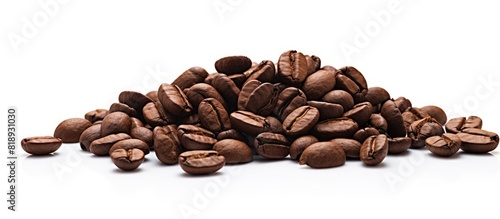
127,160
41,145
374,150
323,155
200,162
69,130
234,151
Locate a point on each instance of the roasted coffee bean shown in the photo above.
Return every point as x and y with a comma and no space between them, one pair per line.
300,121
423,129
234,151
327,110
213,116
330,69
89,135
195,138
351,147
166,144
135,122
238,80
231,134
41,145
248,122
395,123
313,64
318,84
287,101
292,67
233,64
263,72
402,103
275,126
399,145
352,81
360,113
323,155
436,112
300,144
69,130
377,95
201,162
155,115
411,115
174,100
342,127
101,146
124,108
134,99
193,119
445,145
272,145
226,87
130,144
478,141
362,134
190,77
259,98
116,122
339,97
374,150
96,115
127,160
143,134
201,91
456,125
378,122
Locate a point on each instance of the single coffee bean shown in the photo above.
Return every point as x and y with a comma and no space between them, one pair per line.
155,115
226,87
300,121
213,116
478,141
271,145
201,162
89,135
174,100
300,144
327,110
351,147
69,130
234,151
96,115
318,84
130,144
231,134
233,64
134,99
423,129
374,150
378,122
445,145
292,67
330,69
323,155
261,100
411,115
275,126
166,144
313,64
136,123
339,97
402,103
101,146
342,127
287,101
121,107
41,145
362,134
436,112
399,144
116,122
201,91
352,81
195,138
263,72
248,122
456,125
360,113
190,77
391,113
143,134
377,95
127,160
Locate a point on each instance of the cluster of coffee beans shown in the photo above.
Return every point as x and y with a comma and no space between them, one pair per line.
318,115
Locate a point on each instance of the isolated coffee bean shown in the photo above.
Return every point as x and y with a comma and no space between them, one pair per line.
327,110
226,87
155,115
423,129
41,145
213,116
101,146
300,144
456,125
89,135
190,77
174,100
402,103
272,145
116,122
69,130
96,115
233,64
166,144
300,121
263,72
127,160
377,95
201,91
234,151
143,134
287,101
392,115
292,67
323,155
130,144
360,113
313,64
134,99
248,122
351,147
436,112
378,122
374,150
318,84
342,127
201,162
362,134
339,97
124,108
445,145
352,81
399,145
195,138
478,141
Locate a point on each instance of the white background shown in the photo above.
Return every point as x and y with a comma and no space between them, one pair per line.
85,53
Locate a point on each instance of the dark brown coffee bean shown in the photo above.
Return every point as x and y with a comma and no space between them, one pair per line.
300,144
193,119
155,115
124,108
391,113
411,115
436,112
248,122
456,125
327,110
378,122
226,87
445,145
352,81
233,64
271,145
263,72
231,134
339,97
261,100
96,115
89,135
166,144
287,101
360,113
69,130
174,100
195,138
478,141
275,126
134,99
136,123
330,69
127,160
238,79
313,64
374,150
116,122
399,145
190,77
234,151
200,162
351,147
41,145
402,103
300,121
130,144
201,91
323,155
362,134
213,115
143,134
377,95
423,129
101,146
318,84
292,67
342,127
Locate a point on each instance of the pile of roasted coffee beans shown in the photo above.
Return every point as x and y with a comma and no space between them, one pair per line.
318,115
